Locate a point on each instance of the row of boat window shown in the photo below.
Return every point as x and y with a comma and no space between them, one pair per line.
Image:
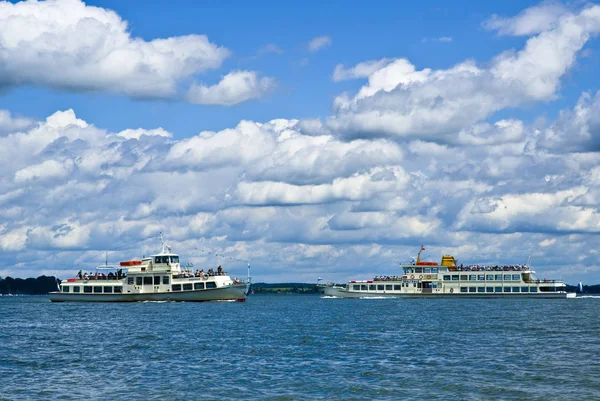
425,270
195,286
395,287
96,289
155,280
148,280
507,289
166,259
482,277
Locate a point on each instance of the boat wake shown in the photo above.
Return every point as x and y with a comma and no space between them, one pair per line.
374,298
588,296
329,297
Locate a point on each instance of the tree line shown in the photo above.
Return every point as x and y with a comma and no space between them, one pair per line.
285,288
30,286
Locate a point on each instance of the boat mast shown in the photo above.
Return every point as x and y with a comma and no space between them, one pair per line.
419,254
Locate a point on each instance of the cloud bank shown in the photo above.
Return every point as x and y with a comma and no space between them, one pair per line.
68,45
402,101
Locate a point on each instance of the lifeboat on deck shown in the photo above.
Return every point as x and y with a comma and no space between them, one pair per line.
131,263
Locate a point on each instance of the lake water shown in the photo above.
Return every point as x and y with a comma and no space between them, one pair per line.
299,347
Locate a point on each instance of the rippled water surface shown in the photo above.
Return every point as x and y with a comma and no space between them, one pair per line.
288,347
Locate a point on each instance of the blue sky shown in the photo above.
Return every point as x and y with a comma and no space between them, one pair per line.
360,31
345,133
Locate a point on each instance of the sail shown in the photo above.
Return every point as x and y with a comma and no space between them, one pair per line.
580,287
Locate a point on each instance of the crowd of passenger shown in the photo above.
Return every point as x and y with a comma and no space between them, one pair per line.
118,275
386,278
201,273
492,268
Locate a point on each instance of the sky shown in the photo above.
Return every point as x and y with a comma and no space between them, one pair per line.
312,139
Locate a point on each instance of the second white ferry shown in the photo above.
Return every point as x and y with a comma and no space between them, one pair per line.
428,279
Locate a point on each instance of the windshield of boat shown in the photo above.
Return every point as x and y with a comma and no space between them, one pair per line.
166,259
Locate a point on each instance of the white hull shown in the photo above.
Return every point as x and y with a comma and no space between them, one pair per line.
229,293
341,292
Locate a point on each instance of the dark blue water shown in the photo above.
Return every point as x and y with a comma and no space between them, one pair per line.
288,347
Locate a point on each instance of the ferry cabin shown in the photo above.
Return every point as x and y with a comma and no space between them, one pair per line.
427,278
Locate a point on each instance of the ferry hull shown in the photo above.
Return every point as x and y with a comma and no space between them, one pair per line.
229,293
340,292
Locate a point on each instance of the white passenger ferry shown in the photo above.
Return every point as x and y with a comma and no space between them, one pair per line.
428,279
159,277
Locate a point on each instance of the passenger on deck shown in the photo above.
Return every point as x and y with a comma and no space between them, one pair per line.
220,270
80,275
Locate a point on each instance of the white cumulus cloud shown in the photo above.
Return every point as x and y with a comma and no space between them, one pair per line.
402,101
9,123
530,21
68,45
235,87
360,70
319,43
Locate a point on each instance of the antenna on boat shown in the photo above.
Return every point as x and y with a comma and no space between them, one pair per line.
165,248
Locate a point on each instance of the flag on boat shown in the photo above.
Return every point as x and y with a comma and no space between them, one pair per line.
422,248
319,278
